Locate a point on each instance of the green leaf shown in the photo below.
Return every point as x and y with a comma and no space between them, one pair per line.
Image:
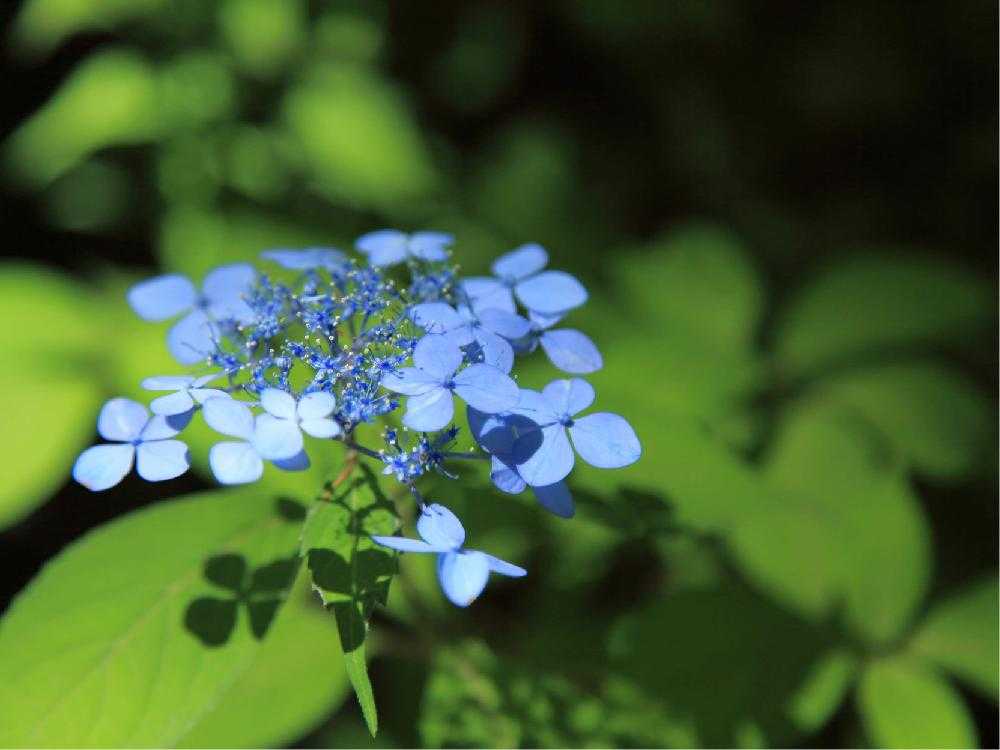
935,417
737,670
873,302
138,630
349,571
904,705
293,683
840,529
263,34
42,24
960,635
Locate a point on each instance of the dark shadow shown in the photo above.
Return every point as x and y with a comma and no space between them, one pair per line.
290,510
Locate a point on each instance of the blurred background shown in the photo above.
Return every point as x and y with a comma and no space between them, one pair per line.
786,214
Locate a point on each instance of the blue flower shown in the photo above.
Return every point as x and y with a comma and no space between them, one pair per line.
489,328
463,573
308,258
566,348
544,455
187,392
519,273
278,432
430,384
222,298
387,247
136,438
497,434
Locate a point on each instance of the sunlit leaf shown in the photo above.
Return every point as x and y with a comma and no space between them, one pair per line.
139,629
349,571
876,302
904,705
42,24
263,34
960,635
936,418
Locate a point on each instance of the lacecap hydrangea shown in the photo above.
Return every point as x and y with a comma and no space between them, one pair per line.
374,349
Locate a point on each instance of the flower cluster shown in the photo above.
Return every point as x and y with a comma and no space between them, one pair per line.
326,344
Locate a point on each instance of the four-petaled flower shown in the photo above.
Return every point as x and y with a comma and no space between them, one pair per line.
309,258
519,273
387,247
193,337
433,379
278,432
462,572
137,437
489,328
544,455
187,392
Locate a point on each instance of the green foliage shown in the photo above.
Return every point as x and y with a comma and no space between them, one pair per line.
135,632
959,635
349,571
905,705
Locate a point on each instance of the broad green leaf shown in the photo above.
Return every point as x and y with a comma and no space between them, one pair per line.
474,698
935,417
358,138
109,99
349,571
42,24
826,684
905,705
960,635
263,35
729,666
292,684
697,288
839,530
138,630
874,302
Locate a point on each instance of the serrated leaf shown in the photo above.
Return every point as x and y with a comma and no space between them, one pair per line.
349,571
959,634
936,418
876,302
139,629
904,705
840,530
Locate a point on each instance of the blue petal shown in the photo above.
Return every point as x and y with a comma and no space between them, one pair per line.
491,431
298,462
226,288
437,356
162,297
430,245
605,440
505,324
275,438
230,417
235,463
505,477
521,262
278,403
177,402
165,426
569,396
122,420
201,395
384,247
429,411
192,338
463,576
440,528
486,388
485,293
307,258
160,460
495,351
571,351
534,407
503,567
435,317
316,405
544,456
322,427
544,321
410,381
103,466
556,498
403,544
167,382
551,292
